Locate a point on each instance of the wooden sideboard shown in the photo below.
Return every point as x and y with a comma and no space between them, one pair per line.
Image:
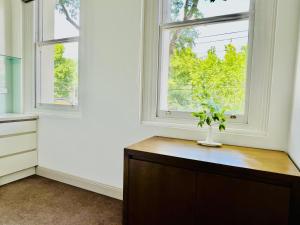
177,182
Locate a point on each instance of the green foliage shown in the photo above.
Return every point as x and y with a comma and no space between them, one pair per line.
221,78
65,73
190,76
211,114
65,70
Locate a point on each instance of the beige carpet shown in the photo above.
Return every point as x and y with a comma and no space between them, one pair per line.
39,201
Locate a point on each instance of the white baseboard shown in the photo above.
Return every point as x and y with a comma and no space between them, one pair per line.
17,176
81,182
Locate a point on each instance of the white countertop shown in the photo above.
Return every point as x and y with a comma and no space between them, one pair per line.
15,116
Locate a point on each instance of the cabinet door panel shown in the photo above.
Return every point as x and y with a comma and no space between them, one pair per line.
160,195
230,201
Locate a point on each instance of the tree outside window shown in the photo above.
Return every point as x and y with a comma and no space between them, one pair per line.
205,60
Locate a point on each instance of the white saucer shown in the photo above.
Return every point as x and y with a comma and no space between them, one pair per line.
209,144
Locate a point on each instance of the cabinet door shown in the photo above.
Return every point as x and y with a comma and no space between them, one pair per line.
160,195
230,201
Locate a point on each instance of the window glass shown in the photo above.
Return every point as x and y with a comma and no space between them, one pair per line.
205,62
182,10
60,19
57,52
59,67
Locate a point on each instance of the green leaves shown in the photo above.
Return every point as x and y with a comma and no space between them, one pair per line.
201,123
211,114
222,127
202,118
65,73
192,79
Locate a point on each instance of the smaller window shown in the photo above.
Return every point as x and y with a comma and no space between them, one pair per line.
57,52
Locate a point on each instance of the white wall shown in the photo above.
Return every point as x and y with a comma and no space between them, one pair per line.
90,145
5,27
294,144
11,28
17,28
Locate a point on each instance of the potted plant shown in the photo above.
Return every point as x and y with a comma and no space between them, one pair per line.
212,115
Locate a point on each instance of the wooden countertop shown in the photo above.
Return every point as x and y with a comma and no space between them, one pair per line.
242,157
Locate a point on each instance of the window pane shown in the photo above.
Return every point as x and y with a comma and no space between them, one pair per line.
59,74
60,19
203,61
181,10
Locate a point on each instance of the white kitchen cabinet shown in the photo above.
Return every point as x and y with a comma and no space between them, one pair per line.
18,147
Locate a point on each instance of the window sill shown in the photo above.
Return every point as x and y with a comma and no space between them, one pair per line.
232,129
235,134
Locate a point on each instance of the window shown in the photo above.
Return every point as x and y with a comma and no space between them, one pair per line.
220,49
57,53
204,55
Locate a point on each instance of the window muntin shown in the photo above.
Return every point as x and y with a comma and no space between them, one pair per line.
208,54
57,53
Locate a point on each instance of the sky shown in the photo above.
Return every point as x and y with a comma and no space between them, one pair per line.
235,33
219,7
64,29
219,35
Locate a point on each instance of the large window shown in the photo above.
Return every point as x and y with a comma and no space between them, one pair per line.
204,49
57,53
198,50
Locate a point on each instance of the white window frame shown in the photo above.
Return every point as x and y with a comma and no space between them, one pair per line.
260,64
232,118
39,43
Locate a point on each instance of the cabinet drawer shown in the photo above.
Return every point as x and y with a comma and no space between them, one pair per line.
17,127
16,144
15,163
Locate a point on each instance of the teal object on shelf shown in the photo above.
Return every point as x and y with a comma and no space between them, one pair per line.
10,84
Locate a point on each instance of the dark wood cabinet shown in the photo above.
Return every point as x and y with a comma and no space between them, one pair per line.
177,182
158,193
241,201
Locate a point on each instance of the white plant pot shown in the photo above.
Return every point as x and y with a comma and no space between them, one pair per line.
210,139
